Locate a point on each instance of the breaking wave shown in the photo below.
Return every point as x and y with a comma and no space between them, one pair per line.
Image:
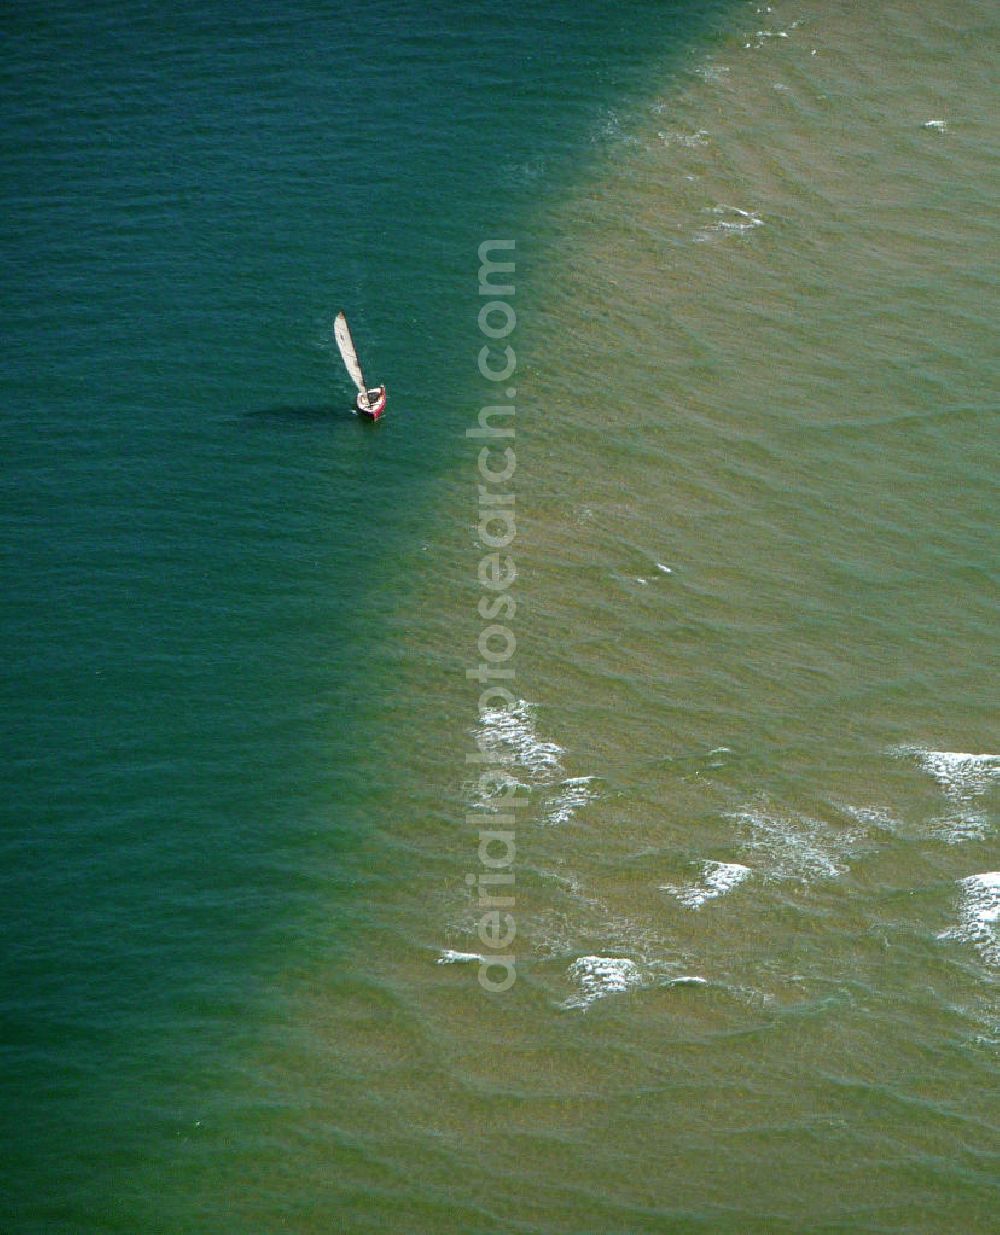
597,977
979,916
717,878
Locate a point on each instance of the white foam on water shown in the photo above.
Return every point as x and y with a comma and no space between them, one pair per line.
712,73
961,776
600,976
501,788
587,921
717,878
964,828
671,137
761,37
732,220
519,759
870,816
793,846
572,795
979,916
508,735
448,957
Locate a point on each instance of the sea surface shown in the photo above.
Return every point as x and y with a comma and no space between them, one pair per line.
753,732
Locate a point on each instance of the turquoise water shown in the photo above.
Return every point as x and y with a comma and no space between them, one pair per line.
755,352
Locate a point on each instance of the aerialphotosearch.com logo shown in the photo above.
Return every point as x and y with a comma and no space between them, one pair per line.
496,797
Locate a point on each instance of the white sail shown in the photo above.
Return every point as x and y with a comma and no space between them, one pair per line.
342,333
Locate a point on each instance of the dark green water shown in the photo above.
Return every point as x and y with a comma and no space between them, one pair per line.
755,347
195,528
